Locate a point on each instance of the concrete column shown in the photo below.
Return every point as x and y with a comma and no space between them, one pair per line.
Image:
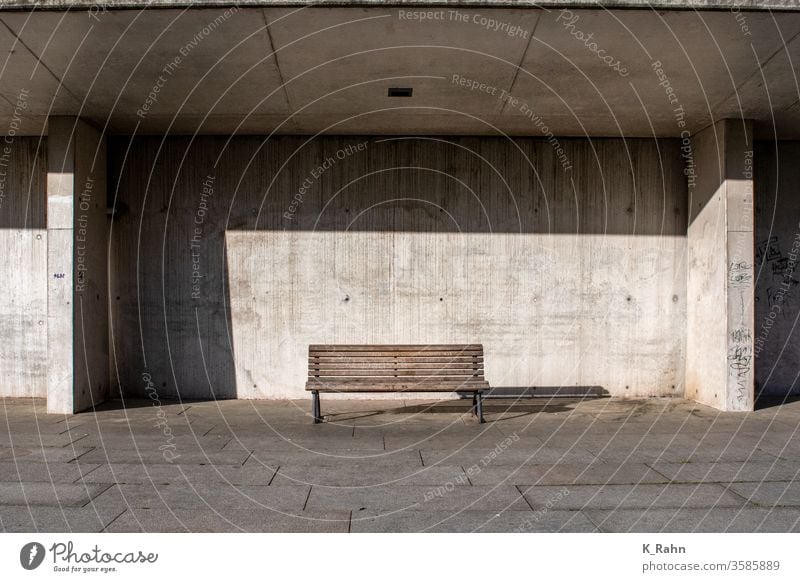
77,251
720,293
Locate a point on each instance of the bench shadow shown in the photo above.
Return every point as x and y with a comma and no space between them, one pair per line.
509,407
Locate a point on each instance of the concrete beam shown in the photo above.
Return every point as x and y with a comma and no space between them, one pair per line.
77,243
721,291
95,6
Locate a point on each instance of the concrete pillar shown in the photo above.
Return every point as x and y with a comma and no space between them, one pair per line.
719,347
77,251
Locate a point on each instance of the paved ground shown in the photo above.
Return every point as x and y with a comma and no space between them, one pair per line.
537,465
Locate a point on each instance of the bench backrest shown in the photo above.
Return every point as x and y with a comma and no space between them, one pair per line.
390,363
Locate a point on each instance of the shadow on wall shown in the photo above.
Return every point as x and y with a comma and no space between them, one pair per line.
171,311
234,255
777,308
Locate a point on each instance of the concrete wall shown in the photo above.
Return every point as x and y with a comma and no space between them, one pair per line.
77,289
23,267
777,306
232,256
719,345
707,313
91,318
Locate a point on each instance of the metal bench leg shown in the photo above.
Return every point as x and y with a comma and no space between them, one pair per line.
474,410
479,406
315,407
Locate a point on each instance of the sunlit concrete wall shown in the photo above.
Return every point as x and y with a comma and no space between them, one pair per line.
719,330
23,266
566,259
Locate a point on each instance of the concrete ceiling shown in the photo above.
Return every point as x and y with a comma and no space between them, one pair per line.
307,70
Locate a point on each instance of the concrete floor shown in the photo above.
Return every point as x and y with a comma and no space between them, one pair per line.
537,465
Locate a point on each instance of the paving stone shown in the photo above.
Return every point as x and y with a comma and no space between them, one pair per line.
720,519
509,457
387,498
230,520
46,472
471,521
33,426
450,442
157,457
775,470
599,473
54,519
186,474
34,440
732,457
56,494
334,458
320,445
630,496
154,441
43,454
676,454
166,497
368,475
769,494
784,449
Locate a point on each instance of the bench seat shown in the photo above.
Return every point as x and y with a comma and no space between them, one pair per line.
396,368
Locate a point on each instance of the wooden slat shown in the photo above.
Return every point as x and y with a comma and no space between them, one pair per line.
391,347
400,360
399,354
393,373
395,366
398,387
387,380
382,373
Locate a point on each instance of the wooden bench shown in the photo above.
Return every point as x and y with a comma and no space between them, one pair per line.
396,368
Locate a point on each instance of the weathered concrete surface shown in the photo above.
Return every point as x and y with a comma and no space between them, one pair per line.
777,343
647,4
720,296
23,267
438,471
77,288
304,69
227,270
